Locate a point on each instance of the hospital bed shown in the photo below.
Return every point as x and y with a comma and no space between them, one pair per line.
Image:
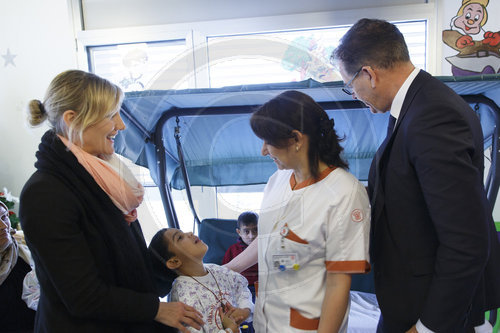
202,137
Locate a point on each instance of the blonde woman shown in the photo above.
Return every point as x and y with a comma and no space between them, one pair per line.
78,212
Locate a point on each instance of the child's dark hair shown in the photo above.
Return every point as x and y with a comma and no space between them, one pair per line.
159,255
247,218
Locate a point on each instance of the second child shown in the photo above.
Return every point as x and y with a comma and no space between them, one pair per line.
247,230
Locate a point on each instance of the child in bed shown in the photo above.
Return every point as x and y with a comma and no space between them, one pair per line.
220,294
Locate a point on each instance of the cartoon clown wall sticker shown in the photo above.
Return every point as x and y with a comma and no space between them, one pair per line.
479,50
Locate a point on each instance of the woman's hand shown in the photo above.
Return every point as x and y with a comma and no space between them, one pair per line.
237,314
179,315
227,321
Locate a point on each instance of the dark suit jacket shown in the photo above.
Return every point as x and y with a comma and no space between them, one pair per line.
434,245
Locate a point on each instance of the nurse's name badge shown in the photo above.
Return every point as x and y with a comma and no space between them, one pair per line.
285,261
284,231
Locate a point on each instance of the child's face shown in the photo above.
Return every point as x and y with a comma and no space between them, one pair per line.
247,233
185,245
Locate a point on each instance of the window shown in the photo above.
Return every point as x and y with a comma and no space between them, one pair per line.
271,57
291,55
233,200
133,66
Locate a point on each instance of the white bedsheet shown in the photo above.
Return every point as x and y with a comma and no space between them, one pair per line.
364,313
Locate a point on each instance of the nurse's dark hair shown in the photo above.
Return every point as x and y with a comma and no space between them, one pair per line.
159,254
292,110
371,42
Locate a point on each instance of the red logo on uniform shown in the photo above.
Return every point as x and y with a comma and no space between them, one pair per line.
357,215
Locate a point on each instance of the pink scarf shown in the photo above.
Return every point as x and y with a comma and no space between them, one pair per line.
114,178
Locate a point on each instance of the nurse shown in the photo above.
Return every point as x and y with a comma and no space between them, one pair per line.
314,225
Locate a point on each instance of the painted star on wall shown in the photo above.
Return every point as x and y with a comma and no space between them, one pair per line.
9,58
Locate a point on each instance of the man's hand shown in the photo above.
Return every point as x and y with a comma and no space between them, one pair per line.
179,315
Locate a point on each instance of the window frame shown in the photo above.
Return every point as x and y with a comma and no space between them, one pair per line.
196,34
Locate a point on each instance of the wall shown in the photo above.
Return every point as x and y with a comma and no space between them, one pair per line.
36,43
474,54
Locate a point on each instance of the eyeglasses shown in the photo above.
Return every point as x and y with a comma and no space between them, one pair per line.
347,87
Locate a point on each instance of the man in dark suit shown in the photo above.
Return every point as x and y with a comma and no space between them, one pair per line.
433,244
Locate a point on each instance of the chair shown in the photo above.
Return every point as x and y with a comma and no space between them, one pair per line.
219,235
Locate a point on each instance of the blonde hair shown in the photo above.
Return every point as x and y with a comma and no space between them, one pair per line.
91,97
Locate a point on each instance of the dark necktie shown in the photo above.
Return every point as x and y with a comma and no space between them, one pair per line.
378,155
390,126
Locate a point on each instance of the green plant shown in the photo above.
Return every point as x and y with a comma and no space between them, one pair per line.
9,200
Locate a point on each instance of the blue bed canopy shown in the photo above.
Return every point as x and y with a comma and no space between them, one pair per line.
220,149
